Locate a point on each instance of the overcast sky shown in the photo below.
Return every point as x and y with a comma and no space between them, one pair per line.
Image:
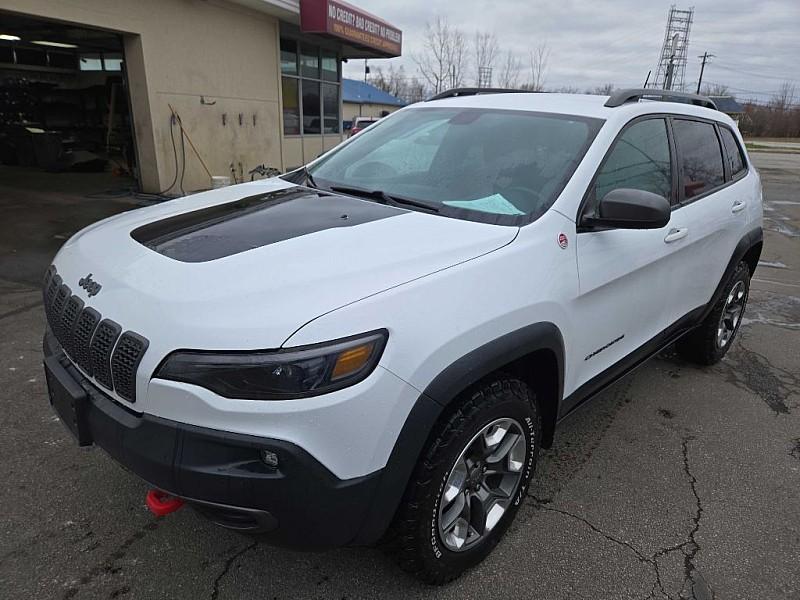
593,42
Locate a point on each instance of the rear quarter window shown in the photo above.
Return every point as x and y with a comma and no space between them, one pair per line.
733,152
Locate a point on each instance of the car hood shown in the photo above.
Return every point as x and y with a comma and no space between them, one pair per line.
244,267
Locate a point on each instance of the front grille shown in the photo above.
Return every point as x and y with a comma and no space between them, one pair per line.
103,340
124,362
82,337
98,346
71,313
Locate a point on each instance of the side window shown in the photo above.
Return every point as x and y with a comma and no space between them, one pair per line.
733,152
700,157
640,160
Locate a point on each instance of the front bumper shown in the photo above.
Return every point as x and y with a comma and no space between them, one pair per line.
300,504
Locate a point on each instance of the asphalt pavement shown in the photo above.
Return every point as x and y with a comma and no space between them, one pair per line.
677,482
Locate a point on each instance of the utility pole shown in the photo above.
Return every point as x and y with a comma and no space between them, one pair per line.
705,58
366,70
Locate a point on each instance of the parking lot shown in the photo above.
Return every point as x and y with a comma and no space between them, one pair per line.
677,482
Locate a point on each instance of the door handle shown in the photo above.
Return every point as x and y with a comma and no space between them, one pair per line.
676,234
739,205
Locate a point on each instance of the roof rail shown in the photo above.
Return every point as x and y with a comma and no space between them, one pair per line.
456,92
620,97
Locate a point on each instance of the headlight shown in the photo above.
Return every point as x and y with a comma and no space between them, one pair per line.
279,374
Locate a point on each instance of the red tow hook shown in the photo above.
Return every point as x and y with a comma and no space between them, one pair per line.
161,503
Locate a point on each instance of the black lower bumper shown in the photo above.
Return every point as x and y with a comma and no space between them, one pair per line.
300,504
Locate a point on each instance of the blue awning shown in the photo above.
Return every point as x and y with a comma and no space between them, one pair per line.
358,92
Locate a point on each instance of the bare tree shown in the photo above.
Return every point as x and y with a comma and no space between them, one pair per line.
392,80
486,50
603,90
784,97
715,89
415,91
443,61
537,58
509,71
398,83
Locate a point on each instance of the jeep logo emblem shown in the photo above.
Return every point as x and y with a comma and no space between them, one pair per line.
91,287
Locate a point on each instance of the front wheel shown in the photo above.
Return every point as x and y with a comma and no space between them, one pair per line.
710,341
470,481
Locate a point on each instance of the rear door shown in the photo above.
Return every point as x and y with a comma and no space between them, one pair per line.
625,276
710,216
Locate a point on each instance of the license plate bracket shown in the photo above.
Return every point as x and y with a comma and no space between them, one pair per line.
69,400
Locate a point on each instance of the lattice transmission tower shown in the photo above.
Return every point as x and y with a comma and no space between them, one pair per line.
484,77
674,51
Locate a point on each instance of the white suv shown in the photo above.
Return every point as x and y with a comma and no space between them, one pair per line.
376,346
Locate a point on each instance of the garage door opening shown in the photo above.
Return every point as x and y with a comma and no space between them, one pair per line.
64,103
67,148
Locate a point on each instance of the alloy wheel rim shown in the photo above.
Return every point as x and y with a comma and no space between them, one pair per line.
481,484
731,314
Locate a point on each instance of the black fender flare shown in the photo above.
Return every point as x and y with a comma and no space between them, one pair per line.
751,241
441,391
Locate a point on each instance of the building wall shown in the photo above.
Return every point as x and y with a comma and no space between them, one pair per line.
210,60
351,110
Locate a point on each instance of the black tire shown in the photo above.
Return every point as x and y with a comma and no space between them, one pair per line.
705,345
415,537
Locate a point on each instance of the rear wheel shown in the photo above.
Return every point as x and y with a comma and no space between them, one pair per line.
710,341
470,482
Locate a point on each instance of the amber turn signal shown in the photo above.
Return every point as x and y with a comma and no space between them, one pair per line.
352,360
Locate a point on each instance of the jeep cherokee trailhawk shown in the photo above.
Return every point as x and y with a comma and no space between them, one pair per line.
376,346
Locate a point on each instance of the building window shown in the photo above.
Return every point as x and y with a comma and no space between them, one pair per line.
291,106
311,84
311,107
288,57
112,62
100,62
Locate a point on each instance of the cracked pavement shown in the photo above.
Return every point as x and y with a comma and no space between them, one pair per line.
677,482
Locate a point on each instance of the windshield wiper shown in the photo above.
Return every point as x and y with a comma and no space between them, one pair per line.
309,177
384,197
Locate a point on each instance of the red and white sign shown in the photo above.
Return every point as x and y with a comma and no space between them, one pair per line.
347,22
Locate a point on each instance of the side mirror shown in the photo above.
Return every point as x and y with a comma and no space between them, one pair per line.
625,208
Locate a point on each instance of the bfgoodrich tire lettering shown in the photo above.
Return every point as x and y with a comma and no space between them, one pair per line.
416,536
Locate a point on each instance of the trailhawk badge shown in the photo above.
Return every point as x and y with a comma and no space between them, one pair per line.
563,241
91,286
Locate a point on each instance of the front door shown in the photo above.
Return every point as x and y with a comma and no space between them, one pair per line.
625,275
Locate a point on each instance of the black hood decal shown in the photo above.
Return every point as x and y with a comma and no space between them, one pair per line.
255,221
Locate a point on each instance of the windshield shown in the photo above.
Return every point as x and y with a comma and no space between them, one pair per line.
498,166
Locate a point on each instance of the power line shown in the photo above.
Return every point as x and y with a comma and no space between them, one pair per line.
734,70
738,89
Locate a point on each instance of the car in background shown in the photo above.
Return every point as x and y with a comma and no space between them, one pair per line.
361,123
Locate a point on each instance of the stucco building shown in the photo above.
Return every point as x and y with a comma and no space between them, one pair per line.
209,86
